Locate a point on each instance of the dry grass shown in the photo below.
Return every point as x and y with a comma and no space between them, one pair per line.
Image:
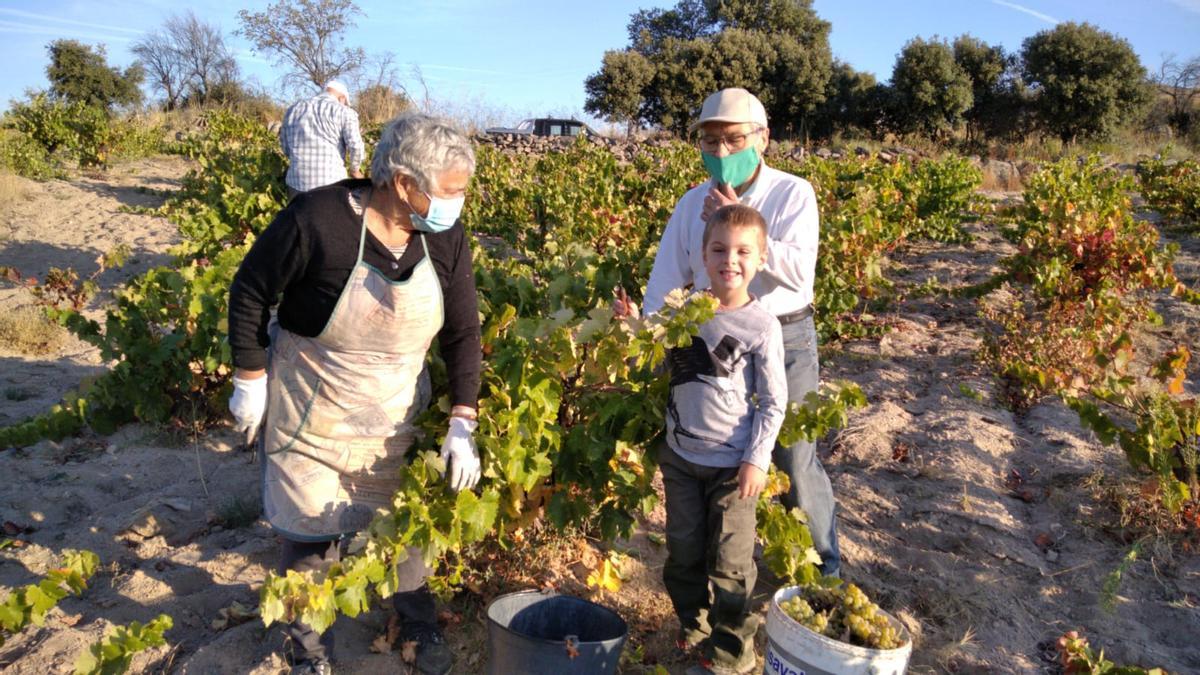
1131,510
239,512
12,188
28,331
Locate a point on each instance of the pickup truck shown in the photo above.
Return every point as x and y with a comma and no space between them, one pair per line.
545,126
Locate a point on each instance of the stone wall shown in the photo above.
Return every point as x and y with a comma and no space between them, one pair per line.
997,174
528,144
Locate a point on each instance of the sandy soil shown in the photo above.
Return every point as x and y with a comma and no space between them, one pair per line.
978,527
70,224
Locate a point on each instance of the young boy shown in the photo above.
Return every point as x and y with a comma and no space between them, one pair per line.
726,405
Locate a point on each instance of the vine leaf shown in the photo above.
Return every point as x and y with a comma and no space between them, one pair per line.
477,515
606,576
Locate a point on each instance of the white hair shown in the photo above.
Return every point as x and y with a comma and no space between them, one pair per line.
337,87
420,146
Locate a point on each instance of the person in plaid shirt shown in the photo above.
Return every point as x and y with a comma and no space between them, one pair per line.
318,136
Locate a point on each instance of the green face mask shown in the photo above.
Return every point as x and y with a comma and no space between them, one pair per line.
733,169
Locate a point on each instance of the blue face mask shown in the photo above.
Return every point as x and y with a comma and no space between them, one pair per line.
443,213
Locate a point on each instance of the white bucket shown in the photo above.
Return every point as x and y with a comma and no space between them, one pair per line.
793,649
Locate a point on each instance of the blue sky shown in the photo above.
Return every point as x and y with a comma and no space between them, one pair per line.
503,58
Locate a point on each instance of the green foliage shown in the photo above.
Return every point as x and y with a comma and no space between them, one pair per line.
133,137
849,103
945,194
1078,240
31,603
114,654
52,135
1112,581
1088,82
616,92
787,542
821,412
166,331
687,20
997,107
779,50
614,210
794,18
788,549
26,157
222,205
1172,189
1163,437
76,130
80,74
969,392
932,90
61,421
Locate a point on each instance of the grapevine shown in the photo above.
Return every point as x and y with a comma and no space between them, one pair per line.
1082,258
31,603
1172,189
114,653
1077,657
868,209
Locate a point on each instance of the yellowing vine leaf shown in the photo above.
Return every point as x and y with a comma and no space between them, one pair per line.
1175,385
607,576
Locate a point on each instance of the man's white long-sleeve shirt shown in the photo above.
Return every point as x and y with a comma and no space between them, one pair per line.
785,285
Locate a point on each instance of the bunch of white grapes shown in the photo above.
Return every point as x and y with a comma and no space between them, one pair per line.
844,613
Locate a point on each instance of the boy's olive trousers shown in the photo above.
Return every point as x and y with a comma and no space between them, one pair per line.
710,571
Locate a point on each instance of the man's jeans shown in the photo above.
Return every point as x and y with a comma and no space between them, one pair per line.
810,488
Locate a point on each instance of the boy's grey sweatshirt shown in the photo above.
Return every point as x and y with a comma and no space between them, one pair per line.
728,390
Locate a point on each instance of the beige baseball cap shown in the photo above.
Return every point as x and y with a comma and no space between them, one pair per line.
733,105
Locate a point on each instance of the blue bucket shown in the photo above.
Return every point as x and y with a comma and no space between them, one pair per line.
540,633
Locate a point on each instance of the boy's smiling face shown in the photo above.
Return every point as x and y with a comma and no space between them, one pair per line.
732,256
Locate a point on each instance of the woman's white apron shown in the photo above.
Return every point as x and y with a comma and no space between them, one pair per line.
341,405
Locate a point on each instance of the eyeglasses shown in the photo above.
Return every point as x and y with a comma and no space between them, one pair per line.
734,142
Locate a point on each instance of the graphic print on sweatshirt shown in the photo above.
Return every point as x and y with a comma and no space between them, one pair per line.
695,364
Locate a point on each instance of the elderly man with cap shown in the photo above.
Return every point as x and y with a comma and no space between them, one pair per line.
732,135
319,135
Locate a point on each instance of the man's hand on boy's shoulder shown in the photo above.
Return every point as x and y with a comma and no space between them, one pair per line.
751,480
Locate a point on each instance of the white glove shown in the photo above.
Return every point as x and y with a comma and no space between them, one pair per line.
462,459
248,403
